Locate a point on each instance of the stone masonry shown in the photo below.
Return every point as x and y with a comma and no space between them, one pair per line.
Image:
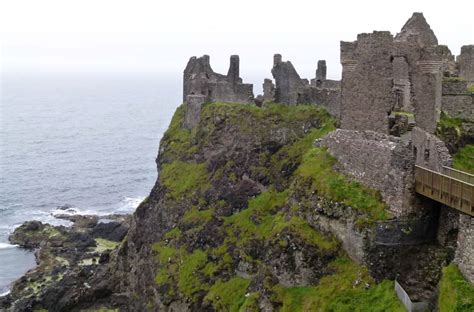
379,161
193,110
290,89
200,79
465,251
430,152
465,63
383,74
457,101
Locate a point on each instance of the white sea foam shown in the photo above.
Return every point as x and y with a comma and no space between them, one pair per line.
7,246
129,204
4,293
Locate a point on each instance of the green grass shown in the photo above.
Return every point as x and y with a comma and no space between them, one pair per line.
447,121
228,295
209,272
262,221
345,290
456,294
189,279
318,165
470,89
187,271
251,303
195,216
182,179
176,139
464,159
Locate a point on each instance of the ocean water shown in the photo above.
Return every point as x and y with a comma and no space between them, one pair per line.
84,140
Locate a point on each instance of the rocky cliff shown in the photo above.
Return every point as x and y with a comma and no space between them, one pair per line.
238,220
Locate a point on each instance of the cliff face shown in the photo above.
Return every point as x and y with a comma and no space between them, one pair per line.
232,222
240,219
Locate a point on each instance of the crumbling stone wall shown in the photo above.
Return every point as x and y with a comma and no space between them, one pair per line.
465,252
430,152
383,74
287,81
290,89
457,101
366,98
379,161
193,110
200,79
465,63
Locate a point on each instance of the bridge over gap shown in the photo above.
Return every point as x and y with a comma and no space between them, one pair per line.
453,188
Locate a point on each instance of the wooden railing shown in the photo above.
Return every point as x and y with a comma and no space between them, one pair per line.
458,174
454,192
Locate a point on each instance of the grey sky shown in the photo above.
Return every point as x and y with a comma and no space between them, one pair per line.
159,36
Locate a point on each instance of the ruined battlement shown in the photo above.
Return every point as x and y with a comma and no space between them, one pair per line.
382,74
465,63
200,79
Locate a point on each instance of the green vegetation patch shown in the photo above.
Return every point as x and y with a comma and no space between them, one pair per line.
177,140
182,179
456,294
350,288
182,269
318,165
464,159
208,273
228,295
263,220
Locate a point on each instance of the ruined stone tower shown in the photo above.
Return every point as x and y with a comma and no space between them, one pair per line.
200,79
383,75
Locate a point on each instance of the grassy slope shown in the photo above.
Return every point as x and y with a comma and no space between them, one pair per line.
192,273
455,293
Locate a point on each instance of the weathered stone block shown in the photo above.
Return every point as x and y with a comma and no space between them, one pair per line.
466,63
379,161
193,110
465,251
430,152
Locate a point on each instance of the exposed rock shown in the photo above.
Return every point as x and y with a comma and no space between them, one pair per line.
67,259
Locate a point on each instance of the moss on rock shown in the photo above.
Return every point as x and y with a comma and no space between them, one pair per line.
235,177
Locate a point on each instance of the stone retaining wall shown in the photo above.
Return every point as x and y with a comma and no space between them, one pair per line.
465,251
379,161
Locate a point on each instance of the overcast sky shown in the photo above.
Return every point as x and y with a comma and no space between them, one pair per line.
160,36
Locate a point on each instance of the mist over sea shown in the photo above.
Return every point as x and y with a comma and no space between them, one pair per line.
84,140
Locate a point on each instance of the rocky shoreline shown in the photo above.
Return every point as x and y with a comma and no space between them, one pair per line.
66,257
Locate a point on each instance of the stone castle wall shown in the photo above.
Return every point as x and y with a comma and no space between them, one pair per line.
291,89
366,99
465,251
200,79
383,74
379,161
457,101
465,63
430,152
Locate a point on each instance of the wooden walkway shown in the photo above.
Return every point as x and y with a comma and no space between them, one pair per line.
453,188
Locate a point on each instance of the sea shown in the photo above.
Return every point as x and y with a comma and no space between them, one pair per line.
87,141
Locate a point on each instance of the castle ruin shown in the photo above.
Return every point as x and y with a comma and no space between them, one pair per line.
388,103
